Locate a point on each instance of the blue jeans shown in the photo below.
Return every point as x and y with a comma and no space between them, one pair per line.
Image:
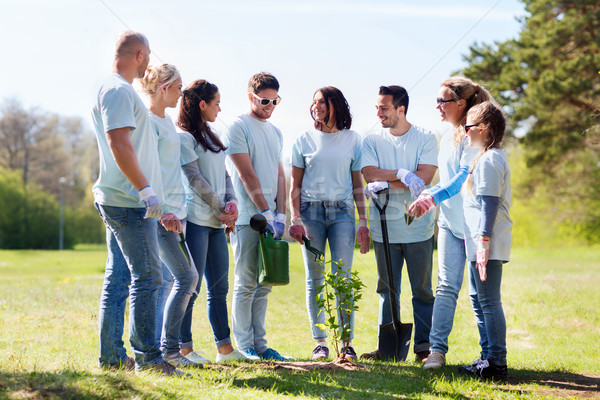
132,258
163,294
185,279
331,221
487,305
208,247
250,298
451,270
419,260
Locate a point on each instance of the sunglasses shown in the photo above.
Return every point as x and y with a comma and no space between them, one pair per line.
441,101
468,127
265,102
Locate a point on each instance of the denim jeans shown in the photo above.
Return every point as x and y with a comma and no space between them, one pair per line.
331,221
250,298
419,262
208,247
185,284
451,270
132,258
487,305
163,294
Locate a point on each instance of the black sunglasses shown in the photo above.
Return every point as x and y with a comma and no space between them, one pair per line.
468,127
441,101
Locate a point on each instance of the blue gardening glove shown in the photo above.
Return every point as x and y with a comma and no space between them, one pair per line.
269,216
153,204
411,181
375,187
279,225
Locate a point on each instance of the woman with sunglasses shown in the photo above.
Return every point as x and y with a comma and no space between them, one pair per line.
456,96
211,204
326,184
488,236
162,84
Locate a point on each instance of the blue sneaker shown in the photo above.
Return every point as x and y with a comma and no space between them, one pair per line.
271,354
250,354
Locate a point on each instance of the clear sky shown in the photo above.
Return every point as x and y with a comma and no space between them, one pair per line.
56,52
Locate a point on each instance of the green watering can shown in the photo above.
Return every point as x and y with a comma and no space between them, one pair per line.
274,260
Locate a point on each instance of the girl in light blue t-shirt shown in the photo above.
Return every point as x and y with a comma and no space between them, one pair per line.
488,236
326,183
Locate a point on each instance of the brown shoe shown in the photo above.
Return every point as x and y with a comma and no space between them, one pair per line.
127,364
374,355
421,356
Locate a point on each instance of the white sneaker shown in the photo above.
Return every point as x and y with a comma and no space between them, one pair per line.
197,358
233,356
436,360
180,361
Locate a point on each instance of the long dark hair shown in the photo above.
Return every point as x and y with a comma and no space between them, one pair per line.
190,117
341,110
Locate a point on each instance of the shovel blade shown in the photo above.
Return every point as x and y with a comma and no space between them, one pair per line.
394,345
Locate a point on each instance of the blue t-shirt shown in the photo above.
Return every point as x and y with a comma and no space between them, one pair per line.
328,160
119,106
212,168
263,142
169,154
386,151
491,177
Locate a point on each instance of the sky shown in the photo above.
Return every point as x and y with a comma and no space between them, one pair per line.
55,53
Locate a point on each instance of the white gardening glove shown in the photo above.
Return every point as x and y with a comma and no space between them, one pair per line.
411,181
375,187
153,204
297,230
422,205
279,225
483,254
268,214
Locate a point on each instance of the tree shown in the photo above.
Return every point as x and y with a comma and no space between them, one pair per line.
548,82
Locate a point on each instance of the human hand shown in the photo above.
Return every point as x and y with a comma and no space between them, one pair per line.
230,216
375,187
153,204
422,205
483,254
362,236
171,223
415,184
279,225
268,214
296,232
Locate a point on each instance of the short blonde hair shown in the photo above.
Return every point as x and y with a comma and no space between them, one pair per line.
158,77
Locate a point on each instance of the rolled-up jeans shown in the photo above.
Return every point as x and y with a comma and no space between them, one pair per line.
333,222
132,258
451,271
419,262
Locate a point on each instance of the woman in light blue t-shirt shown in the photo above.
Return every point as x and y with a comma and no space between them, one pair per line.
326,183
163,86
488,236
211,205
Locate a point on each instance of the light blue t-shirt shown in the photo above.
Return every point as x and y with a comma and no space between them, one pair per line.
264,143
212,168
168,152
328,160
450,158
491,177
119,106
386,151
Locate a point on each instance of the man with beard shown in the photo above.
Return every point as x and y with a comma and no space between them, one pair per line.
403,158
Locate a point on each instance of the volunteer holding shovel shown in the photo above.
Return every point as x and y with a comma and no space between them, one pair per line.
326,183
211,204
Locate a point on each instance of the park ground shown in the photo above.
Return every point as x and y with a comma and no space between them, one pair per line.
49,344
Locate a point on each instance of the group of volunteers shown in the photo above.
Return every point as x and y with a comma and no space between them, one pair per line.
169,193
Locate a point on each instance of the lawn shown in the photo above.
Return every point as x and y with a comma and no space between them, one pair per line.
48,336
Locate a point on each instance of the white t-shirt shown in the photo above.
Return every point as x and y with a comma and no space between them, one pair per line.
386,151
119,106
169,154
263,142
491,177
328,160
212,168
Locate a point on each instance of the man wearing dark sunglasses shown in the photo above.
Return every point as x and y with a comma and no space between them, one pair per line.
254,147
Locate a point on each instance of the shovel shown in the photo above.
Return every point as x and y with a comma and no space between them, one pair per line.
394,338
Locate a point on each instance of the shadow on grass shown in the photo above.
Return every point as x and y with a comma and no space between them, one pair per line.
558,380
65,385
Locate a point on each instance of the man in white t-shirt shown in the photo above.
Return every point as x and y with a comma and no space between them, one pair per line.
403,158
254,148
128,195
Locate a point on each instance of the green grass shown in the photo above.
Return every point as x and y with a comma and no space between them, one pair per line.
48,336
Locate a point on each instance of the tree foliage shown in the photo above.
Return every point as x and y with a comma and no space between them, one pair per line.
548,81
